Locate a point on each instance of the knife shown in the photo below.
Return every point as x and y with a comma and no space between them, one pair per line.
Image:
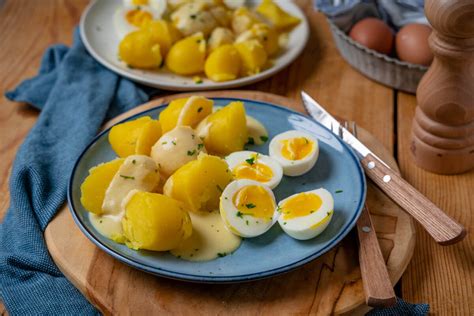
438,224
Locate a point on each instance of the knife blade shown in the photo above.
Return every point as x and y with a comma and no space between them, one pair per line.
444,229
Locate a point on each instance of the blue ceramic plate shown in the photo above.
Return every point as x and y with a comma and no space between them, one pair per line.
337,169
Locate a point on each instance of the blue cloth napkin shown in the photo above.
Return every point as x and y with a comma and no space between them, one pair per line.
75,95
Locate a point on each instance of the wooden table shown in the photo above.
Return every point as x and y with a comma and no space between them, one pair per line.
440,276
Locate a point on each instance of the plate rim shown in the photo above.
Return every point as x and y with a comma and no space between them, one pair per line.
240,82
214,279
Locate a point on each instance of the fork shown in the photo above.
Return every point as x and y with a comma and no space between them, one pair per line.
378,288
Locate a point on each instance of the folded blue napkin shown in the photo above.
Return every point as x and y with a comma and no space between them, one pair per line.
75,95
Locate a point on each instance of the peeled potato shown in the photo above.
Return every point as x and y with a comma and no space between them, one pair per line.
253,55
94,186
185,111
199,183
243,19
150,133
279,18
154,221
138,49
187,56
263,33
226,129
223,64
163,33
134,137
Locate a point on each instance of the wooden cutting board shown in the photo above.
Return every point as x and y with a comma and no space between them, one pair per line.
330,284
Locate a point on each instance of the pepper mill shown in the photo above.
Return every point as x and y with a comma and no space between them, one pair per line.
443,126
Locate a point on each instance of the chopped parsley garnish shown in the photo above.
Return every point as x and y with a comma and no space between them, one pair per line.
127,177
191,152
200,109
164,143
250,161
338,191
312,212
134,161
198,81
264,138
173,142
306,140
250,205
284,223
279,209
193,136
251,141
200,146
100,221
221,254
219,188
193,16
239,214
226,198
247,222
328,213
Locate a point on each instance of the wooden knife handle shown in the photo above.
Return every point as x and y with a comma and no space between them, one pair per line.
375,279
438,224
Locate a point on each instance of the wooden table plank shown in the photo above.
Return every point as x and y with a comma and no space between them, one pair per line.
440,276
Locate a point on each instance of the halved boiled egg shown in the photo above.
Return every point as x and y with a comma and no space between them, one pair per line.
248,208
255,166
296,151
305,215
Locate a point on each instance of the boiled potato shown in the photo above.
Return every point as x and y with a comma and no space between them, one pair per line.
176,148
151,131
225,130
280,19
266,35
185,111
187,56
134,137
154,221
223,64
220,36
243,19
138,49
199,183
163,33
253,55
222,15
137,172
94,186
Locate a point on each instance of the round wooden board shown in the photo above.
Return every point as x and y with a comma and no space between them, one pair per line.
329,285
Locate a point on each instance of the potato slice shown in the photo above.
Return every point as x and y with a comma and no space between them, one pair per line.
226,129
94,186
134,137
185,111
223,64
280,19
187,56
154,221
199,183
253,55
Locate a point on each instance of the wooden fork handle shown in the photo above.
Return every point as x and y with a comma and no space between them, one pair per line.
375,279
438,224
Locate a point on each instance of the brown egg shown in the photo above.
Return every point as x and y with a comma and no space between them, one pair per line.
412,44
374,34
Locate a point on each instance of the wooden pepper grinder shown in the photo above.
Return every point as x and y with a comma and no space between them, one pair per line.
443,127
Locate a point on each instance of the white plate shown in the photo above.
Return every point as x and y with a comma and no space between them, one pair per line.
100,38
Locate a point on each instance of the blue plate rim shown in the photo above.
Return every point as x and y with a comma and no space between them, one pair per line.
205,278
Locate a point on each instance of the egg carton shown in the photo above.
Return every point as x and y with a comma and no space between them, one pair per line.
382,68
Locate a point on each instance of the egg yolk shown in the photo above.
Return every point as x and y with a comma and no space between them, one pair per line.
254,200
301,205
140,2
138,17
256,171
296,148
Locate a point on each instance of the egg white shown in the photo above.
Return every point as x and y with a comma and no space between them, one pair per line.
239,157
238,225
309,226
293,168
